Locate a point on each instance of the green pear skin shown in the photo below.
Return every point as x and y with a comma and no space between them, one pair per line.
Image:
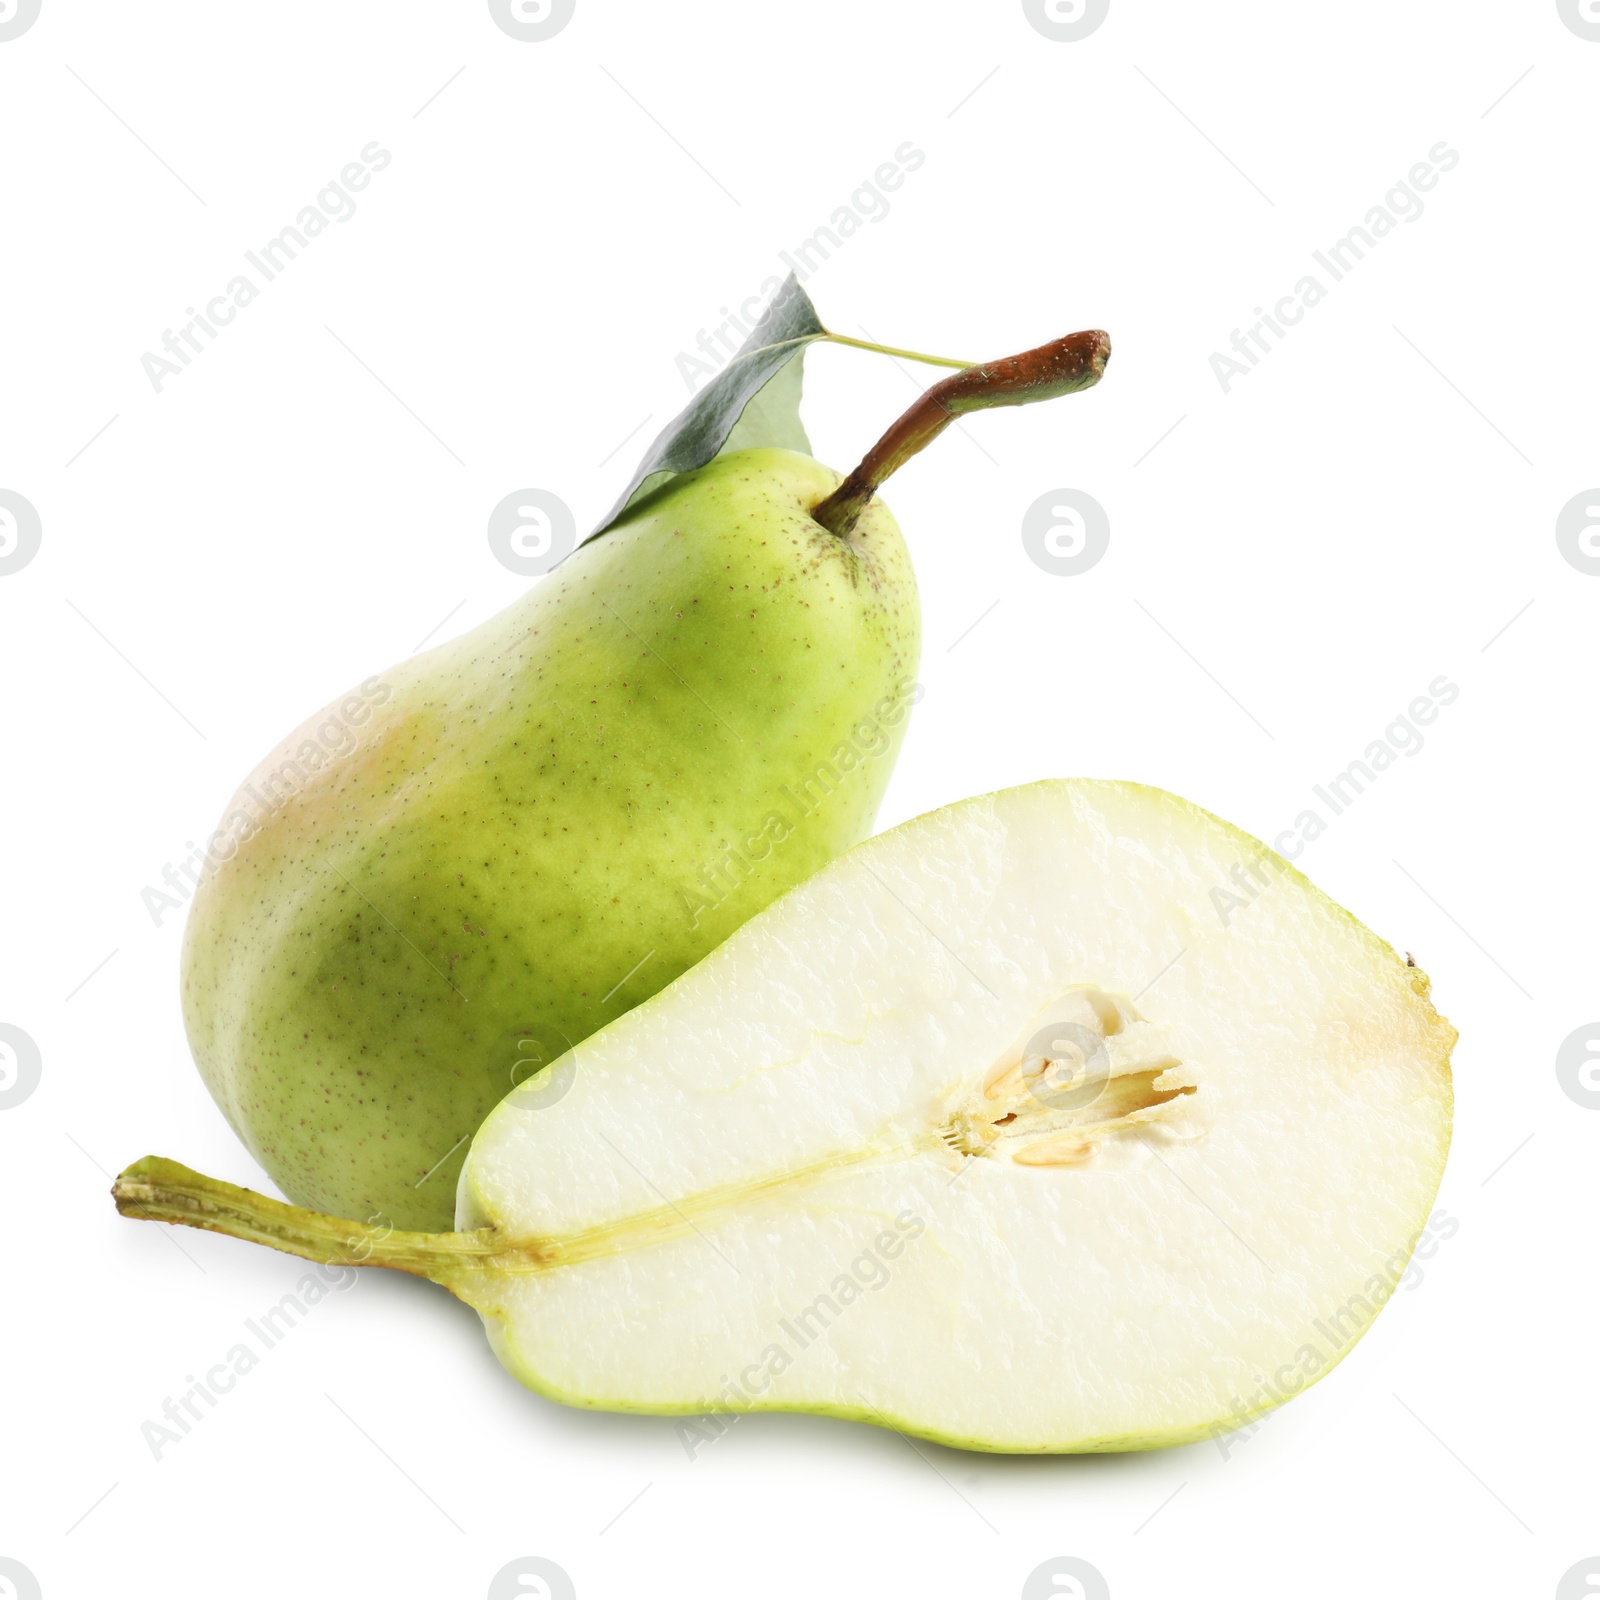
493,849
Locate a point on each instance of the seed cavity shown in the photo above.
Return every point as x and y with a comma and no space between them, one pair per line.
1088,1073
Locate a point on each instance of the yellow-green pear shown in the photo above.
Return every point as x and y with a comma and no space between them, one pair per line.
455,873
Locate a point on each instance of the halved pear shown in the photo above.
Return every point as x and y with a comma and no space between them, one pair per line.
997,1130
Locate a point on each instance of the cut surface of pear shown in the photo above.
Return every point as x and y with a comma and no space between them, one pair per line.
996,1131
1240,1140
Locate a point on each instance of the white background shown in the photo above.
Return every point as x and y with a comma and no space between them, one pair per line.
1290,565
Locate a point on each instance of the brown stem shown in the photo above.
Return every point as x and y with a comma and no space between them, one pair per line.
1063,367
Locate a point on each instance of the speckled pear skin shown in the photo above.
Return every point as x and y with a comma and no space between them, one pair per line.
538,825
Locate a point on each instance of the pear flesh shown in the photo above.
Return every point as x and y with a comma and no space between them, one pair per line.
524,832
993,1131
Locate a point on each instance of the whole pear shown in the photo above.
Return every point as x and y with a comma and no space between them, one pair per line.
481,856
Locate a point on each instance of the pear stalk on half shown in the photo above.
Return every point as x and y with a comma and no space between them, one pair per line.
991,1131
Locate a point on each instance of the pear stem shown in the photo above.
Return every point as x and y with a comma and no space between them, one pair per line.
159,1190
1062,367
894,350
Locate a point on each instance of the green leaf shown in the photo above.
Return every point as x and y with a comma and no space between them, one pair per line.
754,402
771,421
